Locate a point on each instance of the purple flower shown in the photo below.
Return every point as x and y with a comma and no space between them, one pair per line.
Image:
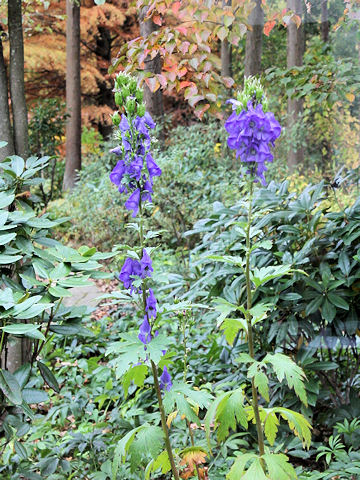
117,150
146,265
151,304
251,132
135,168
165,380
118,172
130,269
145,332
132,203
153,169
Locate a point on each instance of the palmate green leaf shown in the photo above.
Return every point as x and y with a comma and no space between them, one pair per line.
224,307
127,352
186,400
271,423
162,461
225,412
262,384
122,449
231,327
148,441
297,423
136,374
279,467
285,367
260,276
237,470
255,472
156,347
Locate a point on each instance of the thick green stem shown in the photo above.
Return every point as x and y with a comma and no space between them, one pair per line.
255,404
163,422
155,371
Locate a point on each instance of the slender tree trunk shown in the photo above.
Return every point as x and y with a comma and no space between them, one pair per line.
73,95
325,25
17,88
153,100
5,125
226,70
253,48
295,53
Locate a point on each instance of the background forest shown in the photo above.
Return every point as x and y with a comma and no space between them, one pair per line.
209,329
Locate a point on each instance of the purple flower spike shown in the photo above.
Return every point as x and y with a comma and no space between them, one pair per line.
132,203
146,265
153,169
118,172
151,304
145,332
165,380
251,133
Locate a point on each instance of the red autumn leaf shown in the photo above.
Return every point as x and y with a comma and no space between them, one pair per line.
152,83
162,80
184,47
157,20
268,27
185,84
228,82
181,29
200,110
175,7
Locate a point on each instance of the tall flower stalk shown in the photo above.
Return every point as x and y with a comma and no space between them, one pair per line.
252,133
134,175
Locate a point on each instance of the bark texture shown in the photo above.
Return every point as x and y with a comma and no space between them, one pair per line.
295,53
325,25
153,100
253,48
5,125
226,70
17,88
73,95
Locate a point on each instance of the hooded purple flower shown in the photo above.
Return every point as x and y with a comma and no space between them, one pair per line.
151,304
145,332
251,132
135,168
130,269
146,265
118,172
132,203
153,169
165,380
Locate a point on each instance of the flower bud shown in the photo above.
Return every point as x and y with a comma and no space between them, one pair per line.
139,94
132,86
116,119
130,106
141,109
118,98
125,92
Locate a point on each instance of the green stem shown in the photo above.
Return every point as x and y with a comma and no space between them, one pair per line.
255,404
155,371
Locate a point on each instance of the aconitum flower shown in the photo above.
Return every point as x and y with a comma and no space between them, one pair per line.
130,269
146,265
251,133
145,331
165,380
151,304
132,203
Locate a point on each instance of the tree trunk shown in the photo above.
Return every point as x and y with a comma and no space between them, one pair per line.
226,70
5,125
73,95
17,88
253,46
295,52
325,25
153,100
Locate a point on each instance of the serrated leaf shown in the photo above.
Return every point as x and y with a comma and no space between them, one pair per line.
136,374
285,367
271,427
262,384
231,327
297,423
279,466
229,412
237,470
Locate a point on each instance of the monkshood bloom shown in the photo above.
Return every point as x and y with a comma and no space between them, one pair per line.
252,133
165,380
133,268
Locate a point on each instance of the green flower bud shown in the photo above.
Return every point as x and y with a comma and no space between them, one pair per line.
130,106
141,109
132,86
116,119
118,98
139,94
125,92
